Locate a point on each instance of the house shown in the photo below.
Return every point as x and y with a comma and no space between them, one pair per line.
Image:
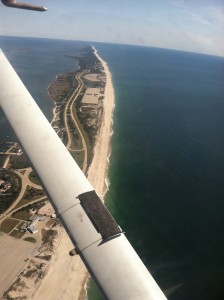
32,229
53,216
6,185
24,227
30,224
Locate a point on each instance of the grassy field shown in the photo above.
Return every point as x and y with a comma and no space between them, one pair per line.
78,157
17,234
22,215
8,225
33,178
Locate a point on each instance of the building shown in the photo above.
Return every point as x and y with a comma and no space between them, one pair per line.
30,224
6,185
91,96
53,216
24,227
32,229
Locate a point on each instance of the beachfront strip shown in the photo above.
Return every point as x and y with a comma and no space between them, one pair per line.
78,114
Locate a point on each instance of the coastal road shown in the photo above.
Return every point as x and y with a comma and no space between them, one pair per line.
68,108
8,157
25,182
25,177
20,196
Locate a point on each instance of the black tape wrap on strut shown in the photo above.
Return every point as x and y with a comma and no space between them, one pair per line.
100,217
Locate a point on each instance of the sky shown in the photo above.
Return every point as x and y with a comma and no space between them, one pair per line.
189,25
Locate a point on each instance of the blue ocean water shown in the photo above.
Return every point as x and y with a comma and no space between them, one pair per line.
37,62
167,163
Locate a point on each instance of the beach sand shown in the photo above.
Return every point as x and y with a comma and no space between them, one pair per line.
97,172
68,276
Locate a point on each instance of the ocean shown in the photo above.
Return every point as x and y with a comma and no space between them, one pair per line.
167,161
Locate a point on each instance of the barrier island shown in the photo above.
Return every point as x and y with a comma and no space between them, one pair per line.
82,118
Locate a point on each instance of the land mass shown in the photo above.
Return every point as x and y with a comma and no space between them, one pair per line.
82,118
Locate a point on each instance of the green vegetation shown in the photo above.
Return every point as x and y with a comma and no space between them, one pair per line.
27,201
32,193
45,257
8,225
8,196
33,178
29,273
22,214
20,225
38,204
18,284
87,118
89,61
76,142
78,157
85,134
22,202
30,239
19,162
22,171
49,236
17,234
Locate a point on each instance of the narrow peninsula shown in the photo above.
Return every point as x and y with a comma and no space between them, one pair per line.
82,118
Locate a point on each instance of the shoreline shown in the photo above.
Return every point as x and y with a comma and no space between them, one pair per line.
102,148
98,169
70,269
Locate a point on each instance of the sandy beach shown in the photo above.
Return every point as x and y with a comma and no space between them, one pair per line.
97,172
68,276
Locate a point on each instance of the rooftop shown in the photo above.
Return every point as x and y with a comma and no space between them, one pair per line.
91,96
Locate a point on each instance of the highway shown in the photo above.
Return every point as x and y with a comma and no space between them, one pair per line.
68,109
25,177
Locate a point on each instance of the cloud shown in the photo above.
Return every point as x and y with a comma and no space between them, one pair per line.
216,14
204,12
188,25
178,3
206,44
197,18
175,38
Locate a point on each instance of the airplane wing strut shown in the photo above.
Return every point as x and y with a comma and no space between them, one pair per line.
15,4
106,252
